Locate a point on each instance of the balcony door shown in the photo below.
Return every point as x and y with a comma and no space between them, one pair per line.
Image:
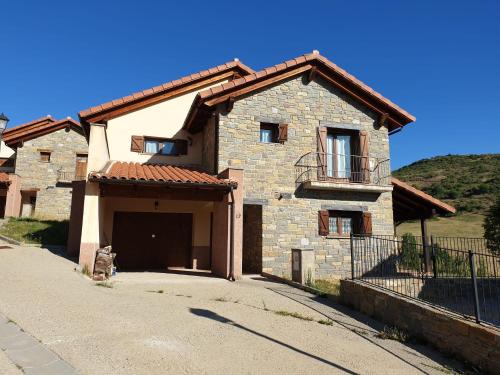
338,156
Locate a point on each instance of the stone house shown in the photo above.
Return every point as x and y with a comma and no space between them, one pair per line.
228,170
49,155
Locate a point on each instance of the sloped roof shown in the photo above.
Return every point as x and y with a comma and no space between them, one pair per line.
156,94
33,129
317,65
409,203
157,173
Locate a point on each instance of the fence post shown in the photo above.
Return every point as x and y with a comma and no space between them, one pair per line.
434,260
474,286
352,257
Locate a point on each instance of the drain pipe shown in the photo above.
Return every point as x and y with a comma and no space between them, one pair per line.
231,237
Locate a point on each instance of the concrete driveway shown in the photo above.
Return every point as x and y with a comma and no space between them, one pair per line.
149,323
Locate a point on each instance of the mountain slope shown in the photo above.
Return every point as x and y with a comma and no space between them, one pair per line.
467,182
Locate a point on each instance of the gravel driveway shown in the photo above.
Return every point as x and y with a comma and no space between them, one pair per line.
153,323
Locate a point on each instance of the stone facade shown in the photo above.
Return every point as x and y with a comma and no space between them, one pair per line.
53,199
290,215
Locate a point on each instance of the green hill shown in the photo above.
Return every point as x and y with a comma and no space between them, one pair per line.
467,182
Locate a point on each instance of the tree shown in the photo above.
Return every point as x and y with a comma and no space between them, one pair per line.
492,227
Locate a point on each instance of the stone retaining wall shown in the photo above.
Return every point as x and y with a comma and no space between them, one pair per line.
475,343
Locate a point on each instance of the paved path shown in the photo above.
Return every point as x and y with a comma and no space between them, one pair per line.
159,323
27,353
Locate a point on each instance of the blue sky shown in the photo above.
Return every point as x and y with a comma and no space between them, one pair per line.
439,60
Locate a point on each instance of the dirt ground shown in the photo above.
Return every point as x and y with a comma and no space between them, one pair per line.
158,323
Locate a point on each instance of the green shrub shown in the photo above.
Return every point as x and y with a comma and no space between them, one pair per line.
410,256
492,227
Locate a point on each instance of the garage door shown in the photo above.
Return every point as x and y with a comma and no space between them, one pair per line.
152,241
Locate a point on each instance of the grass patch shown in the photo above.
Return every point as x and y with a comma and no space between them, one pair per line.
293,315
393,333
325,322
221,299
36,231
105,284
465,225
86,270
327,286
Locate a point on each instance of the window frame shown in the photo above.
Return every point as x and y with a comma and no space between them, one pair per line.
356,222
161,142
270,126
353,139
46,153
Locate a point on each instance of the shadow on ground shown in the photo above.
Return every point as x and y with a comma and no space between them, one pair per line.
363,326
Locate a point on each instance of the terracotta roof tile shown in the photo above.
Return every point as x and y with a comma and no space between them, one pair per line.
276,69
4,178
130,171
421,195
35,128
166,86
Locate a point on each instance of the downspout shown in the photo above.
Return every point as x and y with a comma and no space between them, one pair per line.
231,237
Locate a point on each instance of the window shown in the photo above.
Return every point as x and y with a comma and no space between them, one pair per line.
45,156
160,146
343,223
338,155
273,133
268,133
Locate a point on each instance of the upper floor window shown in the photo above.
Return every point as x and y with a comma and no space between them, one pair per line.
45,156
273,133
162,146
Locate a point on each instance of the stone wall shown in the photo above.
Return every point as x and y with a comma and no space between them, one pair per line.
53,200
477,344
290,216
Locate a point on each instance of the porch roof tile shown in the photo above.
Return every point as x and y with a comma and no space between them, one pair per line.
157,173
4,178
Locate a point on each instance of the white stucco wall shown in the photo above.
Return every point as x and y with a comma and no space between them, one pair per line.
163,120
5,151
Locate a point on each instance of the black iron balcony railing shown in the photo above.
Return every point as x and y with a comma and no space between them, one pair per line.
340,168
65,177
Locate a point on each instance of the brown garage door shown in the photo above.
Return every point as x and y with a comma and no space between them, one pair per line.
152,241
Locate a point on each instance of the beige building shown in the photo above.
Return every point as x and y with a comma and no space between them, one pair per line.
228,170
48,155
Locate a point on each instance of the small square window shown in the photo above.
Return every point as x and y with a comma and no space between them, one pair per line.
45,156
268,132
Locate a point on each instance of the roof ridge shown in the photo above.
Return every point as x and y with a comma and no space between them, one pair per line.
164,87
33,122
300,60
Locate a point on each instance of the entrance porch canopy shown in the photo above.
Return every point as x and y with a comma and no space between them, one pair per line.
410,203
160,181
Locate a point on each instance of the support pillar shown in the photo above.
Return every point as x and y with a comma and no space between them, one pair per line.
221,237
425,246
91,228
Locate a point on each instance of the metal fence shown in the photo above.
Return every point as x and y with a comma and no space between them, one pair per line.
465,282
340,168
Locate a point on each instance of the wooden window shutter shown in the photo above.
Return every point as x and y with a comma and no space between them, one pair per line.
364,153
367,223
321,133
282,132
137,143
323,223
181,146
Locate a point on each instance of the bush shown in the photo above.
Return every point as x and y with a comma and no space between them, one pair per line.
492,227
410,256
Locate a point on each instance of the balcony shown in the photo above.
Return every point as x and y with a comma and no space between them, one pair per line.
323,171
65,177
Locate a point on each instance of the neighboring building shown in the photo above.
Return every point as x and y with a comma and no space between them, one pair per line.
49,155
229,169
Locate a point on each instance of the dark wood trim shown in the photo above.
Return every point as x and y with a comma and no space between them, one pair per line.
229,104
311,74
357,97
255,85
